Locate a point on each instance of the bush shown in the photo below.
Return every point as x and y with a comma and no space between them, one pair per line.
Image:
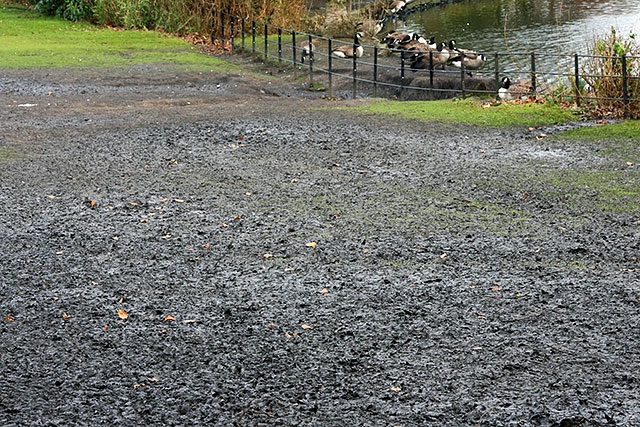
603,73
73,10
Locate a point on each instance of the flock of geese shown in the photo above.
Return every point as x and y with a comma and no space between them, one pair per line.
422,53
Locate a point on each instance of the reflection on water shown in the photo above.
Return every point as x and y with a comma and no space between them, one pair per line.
519,26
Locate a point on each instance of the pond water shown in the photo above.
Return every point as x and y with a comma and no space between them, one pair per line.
564,26
521,26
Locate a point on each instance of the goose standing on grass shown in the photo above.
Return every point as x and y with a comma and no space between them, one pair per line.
347,50
503,92
306,50
464,57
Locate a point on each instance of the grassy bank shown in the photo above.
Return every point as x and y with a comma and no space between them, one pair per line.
33,40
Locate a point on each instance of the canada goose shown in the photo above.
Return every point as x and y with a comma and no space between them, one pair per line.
306,50
397,5
438,56
416,43
347,50
395,37
503,92
370,26
470,59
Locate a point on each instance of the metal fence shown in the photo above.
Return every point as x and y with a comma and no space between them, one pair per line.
383,72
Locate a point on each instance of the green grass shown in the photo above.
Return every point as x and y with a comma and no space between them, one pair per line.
615,191
473,111
33,40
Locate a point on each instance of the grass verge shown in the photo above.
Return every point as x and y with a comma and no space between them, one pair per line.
32,40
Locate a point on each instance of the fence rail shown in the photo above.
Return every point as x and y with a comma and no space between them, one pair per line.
383,72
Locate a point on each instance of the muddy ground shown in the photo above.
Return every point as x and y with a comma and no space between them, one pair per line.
184,248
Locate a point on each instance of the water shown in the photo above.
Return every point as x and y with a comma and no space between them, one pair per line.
522,26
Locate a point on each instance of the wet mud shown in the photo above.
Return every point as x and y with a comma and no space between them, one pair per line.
203,249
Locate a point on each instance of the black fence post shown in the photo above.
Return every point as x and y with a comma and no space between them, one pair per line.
375,71
253,36
625,86
576,76
534,75
462,88
266,41
232,22
355,70
243,30
496,69
310,59
279,45
402,65
293,46
330,69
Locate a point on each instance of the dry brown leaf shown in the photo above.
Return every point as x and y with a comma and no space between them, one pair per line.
271,325
66,316
166,199
396,389
189,321
178,200
9,318
122,314
324,291
169,318
268,256
495,288
311,244
133,203
306,327
443,256
207,245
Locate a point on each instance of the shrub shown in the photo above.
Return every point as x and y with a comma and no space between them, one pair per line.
73,10
603,73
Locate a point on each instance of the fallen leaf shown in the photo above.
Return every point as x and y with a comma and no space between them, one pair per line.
294,180
152,380
443,256
477,348
9,318
166,199
396,389
306,327
123,314
247,193
178,200
268,256
224,225
66,316
238,217
166,236
271,325
133,203
207,245
52,196
169,318
311,244
144,220
189,321
495,288
324,291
